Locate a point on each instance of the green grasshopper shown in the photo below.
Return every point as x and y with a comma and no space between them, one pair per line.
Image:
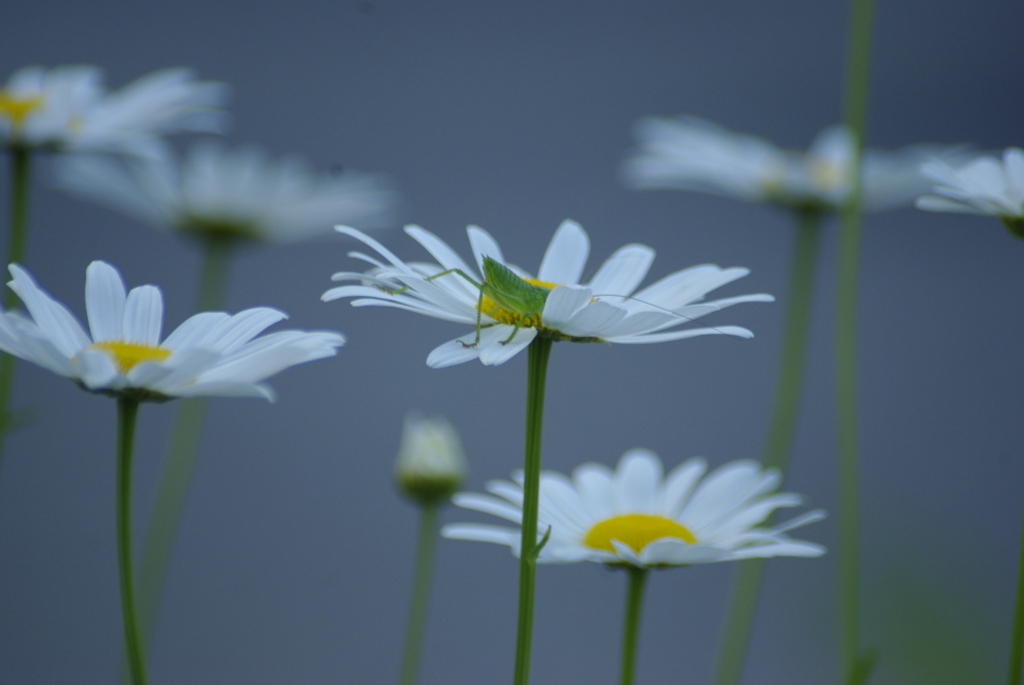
506,289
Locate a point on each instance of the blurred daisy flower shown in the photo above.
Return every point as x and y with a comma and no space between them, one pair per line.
430,464
68,109
693,154
984,185
210,354
241,193
636,515
606,309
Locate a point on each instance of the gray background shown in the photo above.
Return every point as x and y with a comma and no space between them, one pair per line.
294,563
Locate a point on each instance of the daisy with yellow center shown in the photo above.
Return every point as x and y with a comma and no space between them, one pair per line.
607,308
212,353
637,516
232,194
688,153
68,108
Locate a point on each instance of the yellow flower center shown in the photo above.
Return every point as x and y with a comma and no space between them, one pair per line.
17,108
126,354
635,530
510,317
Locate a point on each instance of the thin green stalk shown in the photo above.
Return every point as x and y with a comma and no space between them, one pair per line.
20,171
21,158
794,342
180,462
213,278
1017,641
420,604
856,669
747,585
539,352
127,410
631,627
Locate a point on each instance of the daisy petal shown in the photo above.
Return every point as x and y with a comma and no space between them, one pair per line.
629,516
194,329
790,548
227,389
488,505
680,483
736,331
594,483
482,533
231,333
623,271
566,255
483,245
676,551
499,352
466,348
52,318
636,482
96,369
458,351
104,301
445,256
563,302
143,316
593,320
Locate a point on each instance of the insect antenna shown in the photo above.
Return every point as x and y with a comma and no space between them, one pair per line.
641,253
710,307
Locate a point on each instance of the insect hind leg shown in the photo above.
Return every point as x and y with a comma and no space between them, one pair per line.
515,330
457,272
479,320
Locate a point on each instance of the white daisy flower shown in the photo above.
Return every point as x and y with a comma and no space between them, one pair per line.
235,193
430,464
984,185
693,154
606,309
68,109
210,354
637,516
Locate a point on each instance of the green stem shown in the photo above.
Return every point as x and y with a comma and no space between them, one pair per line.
794,342
1017,642
20,172
631,627
539,352
420,595
180,463
127,410
747,585
846,343
213,278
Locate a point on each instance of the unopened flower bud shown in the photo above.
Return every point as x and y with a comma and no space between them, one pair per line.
430,465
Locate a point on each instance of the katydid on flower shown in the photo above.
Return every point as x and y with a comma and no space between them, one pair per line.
506,289
556,304
509,292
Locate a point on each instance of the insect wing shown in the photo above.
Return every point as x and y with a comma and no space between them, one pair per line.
512,292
